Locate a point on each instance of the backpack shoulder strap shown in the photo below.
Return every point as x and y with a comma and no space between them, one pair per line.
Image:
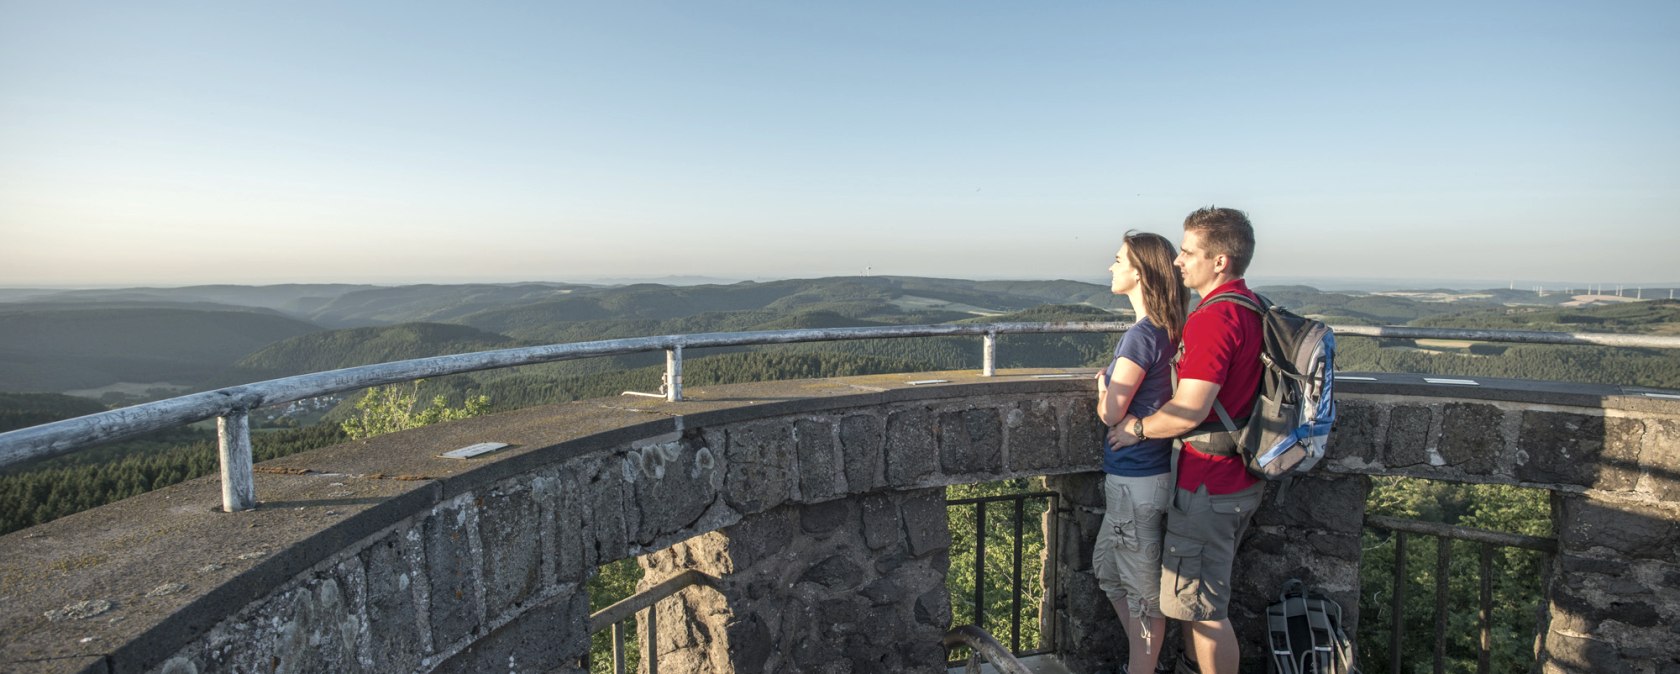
1237,298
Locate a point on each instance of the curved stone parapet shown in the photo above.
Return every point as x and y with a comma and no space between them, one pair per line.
380,555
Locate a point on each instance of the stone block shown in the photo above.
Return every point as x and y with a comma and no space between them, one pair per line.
1078,489
1408,436
1082,433
1627,528
1471,440
911,452
315,629
553,636
933,608
1660,458
1620,464
758,538
750,643
676,485
1561,447
1355,433
761,466
863,443
825,518
393,613
970,441
925,525
1319,502
565,518
603,493
835,573
882,591
819,478
881,521
452,573
1034,436
512,550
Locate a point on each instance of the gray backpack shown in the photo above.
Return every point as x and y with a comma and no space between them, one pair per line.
1304,631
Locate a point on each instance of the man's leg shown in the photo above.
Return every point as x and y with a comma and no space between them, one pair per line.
1215,644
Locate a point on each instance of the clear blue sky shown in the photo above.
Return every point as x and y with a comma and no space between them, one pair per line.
242,142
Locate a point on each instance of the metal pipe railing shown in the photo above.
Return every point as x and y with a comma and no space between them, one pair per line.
1444,535
233,404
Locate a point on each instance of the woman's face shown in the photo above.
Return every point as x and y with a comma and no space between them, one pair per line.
1123,276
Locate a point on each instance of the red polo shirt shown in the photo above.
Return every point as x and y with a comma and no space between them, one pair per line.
1221,345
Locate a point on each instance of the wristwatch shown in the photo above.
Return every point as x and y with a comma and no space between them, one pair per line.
1137,429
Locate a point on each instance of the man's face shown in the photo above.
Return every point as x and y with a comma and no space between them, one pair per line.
1194,262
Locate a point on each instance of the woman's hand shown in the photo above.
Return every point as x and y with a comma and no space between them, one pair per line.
1120,435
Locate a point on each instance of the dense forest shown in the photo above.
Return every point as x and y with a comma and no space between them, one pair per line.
166,341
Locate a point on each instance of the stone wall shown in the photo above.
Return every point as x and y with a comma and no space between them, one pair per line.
849,585
381,556
1610,458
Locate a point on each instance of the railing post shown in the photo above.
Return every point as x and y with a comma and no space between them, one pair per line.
673,373
1396,636
239,490
988,365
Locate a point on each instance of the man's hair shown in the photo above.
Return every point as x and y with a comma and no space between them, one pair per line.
1224,231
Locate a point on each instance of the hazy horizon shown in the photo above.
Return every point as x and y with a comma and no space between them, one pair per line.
1352,284
390,143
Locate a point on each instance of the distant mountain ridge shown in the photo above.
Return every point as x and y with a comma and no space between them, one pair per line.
201,336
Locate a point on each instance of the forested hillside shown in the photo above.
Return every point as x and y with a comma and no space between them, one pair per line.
61,347
91,341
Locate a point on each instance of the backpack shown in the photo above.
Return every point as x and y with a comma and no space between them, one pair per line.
1304,632
1289,427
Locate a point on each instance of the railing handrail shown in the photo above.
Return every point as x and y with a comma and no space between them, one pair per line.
980,643
233,404
623,609
1462,533
59,437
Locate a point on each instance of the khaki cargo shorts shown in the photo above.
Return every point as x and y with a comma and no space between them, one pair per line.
1127,557
1199,549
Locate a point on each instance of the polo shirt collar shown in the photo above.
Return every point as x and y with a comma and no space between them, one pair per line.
1239,285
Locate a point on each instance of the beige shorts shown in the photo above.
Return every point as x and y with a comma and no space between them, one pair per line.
1127,557
1200,548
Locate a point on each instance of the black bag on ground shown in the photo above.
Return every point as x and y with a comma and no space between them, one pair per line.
1304,632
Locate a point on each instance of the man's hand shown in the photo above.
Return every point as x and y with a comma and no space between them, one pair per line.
1120,435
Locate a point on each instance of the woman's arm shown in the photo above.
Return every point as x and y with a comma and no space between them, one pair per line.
1113,399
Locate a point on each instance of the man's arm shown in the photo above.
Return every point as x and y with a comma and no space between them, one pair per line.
1188,407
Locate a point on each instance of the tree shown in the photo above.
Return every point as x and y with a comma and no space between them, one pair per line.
388,410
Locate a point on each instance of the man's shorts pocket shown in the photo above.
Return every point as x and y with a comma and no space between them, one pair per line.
1182,558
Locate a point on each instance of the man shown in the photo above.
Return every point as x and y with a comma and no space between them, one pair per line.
1215,496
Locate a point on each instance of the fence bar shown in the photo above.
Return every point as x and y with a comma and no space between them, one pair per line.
1484,657
650,653
988,365
618,648
673,373
1462,533
1443,557
239,488
1398,605
1015,613
980,565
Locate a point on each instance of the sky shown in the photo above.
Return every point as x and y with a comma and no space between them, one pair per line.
176,143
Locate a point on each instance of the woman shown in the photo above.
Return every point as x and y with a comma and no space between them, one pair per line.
1127,557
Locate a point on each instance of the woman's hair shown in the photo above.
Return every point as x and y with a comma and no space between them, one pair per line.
1164,298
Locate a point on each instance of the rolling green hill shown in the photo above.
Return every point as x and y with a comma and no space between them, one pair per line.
334,349
55,348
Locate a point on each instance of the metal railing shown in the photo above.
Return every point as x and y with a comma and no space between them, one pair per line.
232,405
981,645
1444,535
1016,559
624,610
